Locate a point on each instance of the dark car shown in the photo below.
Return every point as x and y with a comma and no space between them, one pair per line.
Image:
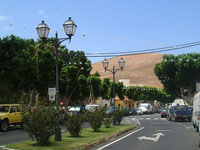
130,111
163,113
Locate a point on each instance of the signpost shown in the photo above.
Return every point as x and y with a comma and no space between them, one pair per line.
52,94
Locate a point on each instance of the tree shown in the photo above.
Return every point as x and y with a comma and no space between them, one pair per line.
106,89
120,90
95,87
83,87
16,66
179,74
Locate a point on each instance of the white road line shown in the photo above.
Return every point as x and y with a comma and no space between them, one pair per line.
148,118
163,130
138,122
141,119
155,118
119,139
163,118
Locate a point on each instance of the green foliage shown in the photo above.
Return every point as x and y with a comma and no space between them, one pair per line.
179,74
148,94
119,113
95,118
107,122
120,90
106,88
74,124
95,86
83,87
40,122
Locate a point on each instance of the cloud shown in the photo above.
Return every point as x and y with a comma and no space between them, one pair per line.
40,12
3,18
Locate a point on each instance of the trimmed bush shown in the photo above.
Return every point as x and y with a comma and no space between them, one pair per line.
40,123
74,124
119,113
95,118
107,122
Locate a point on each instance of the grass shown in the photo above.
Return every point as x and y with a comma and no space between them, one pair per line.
73,143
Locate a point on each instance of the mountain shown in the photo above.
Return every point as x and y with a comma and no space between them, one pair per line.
138,70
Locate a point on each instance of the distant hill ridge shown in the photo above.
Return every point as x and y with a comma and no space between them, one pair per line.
139,69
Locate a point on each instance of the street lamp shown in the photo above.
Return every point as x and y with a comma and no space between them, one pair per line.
121,63
43,32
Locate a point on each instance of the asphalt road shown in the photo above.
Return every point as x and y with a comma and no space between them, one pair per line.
154,133
15,134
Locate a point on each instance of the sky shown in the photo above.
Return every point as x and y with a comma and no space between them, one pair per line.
107,25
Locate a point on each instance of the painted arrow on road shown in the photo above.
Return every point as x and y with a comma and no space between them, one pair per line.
152,138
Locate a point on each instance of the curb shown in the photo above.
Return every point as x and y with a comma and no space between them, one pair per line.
107,138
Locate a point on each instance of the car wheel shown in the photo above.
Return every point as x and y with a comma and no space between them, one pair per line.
197,128
175,119
4,125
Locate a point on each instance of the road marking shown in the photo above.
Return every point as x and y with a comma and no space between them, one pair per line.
151,138
163,130
148,118
159,123
138,122
155,118
163,118
120,139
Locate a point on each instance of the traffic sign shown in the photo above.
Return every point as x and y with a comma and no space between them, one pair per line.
52,97
51,91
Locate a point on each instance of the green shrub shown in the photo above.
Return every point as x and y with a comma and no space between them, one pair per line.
107,122
74,124
40,122
119,113
95,118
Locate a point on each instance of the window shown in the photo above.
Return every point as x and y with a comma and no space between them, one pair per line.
12,109
18,109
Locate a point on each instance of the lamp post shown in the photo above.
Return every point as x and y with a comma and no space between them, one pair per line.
43,32
121,63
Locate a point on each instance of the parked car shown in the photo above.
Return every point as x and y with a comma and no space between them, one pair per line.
10,114
196,111
181,112
196,120
110,110
75,110
163,113
92,107
139,111
146,108
130,111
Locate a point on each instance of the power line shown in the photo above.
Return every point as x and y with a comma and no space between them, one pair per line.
139,52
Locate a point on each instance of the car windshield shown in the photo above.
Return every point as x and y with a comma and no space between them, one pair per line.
4,108
181,108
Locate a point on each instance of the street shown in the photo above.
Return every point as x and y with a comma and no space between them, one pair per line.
154,133
151,133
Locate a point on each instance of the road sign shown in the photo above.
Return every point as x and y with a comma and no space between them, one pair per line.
52,97
51,91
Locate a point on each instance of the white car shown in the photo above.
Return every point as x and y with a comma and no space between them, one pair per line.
139,111
196,120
